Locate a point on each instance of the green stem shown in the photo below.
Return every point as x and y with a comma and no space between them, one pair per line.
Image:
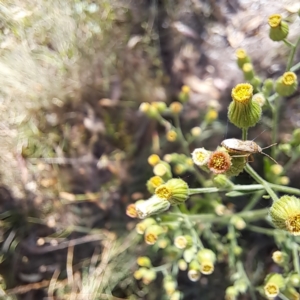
296,258
233,244
296,67
289,44
242,271
244,134
190,226
247,188
293,159
252,215
282,297
185,147
292,55
255,198
276,109
260,180
265,231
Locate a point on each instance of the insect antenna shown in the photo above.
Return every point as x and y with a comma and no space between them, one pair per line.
269,146
270,156
258,135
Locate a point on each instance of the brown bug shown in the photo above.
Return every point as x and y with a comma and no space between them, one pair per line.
244,148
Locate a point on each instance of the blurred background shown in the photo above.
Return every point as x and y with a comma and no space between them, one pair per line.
74,145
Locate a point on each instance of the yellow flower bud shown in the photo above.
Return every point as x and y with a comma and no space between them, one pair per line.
153,183
222,182
260,99
287,84
273,283
238,222
163,170
143,225
171,136
206,267
148,276
176,191
176,107
248,71
144,261
183,241
285,214
284,180
279,257
211,116
139,273
205,255
153,160
131,211
160,106
182,265
242,57
184,94
152,233
196,131
242,111
279,29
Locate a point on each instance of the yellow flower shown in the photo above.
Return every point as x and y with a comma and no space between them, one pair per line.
206,267
143,225
279,29
153,183
242,93
242,111
153,160
183,241
200,156
176,191
211,115
273,283
152,233
274,20
248,71
287,84
144,261
176,107
242,57
278,257
185,89
131,211
219,162
171,136
285,214
271,290
196,131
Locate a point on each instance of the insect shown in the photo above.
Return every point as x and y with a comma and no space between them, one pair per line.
244,148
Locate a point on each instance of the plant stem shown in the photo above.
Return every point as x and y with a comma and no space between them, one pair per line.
212,218
242,271
260,180
265,231
246,188
255,198
276,109
289,44
296,67
292,55
244,134
296,257
185,147
190,226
